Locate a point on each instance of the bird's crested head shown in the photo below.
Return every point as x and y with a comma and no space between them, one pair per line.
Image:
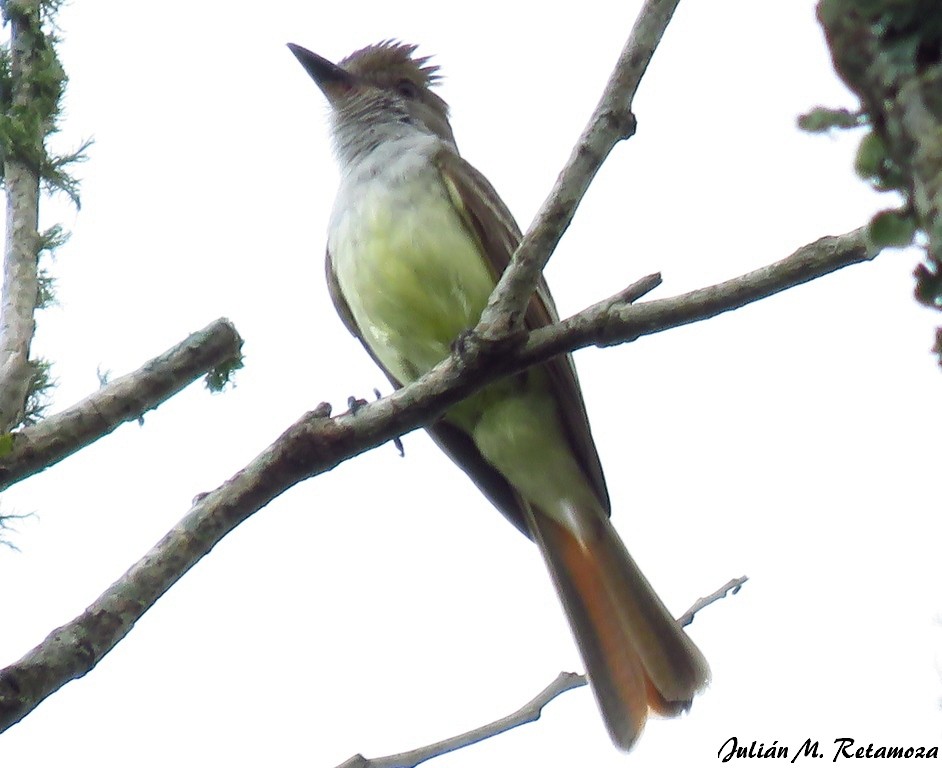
377,93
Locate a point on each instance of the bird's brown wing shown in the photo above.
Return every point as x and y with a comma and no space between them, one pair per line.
493,227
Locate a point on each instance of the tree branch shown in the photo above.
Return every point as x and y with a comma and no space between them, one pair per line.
731,587
528,713
317,443
610,322
33,449
611,122
21,250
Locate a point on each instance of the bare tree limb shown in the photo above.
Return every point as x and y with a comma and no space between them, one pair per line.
317,443
38,447
731,587
611,122
21,250
528,713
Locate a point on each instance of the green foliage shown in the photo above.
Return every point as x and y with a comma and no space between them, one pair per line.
223,374
893,228
40,385
49,241
30,98
45,289
829,11
873,163
890,54
32,84
824,119
53,238
49,9
6,444
871,154
55,175
929,285
904,25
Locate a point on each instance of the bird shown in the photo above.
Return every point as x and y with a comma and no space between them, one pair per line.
416,242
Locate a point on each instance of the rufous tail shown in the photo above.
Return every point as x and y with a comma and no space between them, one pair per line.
636,655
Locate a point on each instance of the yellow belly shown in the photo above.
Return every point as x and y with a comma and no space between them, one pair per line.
410,272
414,279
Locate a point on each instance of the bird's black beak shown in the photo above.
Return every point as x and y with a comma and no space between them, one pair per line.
334,81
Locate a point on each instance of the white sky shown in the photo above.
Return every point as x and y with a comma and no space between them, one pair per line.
386,605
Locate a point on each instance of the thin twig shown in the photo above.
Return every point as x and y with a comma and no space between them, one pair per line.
729,588
528,713
38,447
634,292
611,122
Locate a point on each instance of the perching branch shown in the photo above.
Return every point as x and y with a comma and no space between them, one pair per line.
317,443
611,122
21,250
528,713
35,448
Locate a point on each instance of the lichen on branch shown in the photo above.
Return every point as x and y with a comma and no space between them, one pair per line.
889,53
32,83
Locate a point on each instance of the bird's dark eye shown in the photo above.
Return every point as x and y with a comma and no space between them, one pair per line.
407,89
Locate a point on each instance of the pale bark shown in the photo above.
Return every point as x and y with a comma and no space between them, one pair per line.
21,249
127,398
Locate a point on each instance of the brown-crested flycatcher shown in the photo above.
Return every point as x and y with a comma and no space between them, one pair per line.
416,243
